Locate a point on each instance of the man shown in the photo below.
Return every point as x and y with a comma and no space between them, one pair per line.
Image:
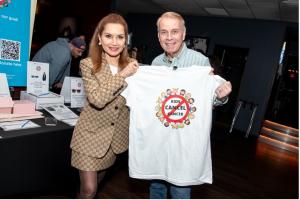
59,55
171,35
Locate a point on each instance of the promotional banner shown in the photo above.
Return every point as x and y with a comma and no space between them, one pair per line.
14,40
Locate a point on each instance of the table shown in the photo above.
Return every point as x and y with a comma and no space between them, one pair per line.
36,159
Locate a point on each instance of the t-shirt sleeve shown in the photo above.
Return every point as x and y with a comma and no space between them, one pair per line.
218,80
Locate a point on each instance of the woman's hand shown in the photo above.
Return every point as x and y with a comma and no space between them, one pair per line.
130,69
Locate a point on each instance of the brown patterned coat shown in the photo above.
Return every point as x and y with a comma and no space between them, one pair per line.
104,120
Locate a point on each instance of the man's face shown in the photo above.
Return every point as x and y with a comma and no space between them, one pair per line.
77,52
171,35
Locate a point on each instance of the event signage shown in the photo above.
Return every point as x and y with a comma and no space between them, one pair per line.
14,40
73,92
37,78
78,98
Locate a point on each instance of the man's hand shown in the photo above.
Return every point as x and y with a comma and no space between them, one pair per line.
58,85
223,90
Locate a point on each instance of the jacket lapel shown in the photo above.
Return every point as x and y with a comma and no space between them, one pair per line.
105,71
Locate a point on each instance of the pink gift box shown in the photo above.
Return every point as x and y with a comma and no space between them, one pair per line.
24,107
6,105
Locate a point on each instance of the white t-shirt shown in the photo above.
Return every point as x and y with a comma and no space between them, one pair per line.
170,123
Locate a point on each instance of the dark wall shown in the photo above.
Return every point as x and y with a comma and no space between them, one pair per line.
263,38
144,35
50,14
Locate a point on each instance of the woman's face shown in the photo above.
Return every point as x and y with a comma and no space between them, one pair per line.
113,39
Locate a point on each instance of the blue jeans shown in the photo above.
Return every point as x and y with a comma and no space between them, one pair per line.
159,190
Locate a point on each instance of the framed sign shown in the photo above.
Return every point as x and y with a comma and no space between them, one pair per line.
197,43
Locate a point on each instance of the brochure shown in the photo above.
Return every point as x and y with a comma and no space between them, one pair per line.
17,125
59,111
37,78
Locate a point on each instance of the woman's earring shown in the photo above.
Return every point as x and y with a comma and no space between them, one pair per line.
99,43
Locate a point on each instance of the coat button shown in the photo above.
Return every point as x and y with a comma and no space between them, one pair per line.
116,108
112,124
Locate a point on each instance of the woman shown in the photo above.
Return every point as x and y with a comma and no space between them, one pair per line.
102,129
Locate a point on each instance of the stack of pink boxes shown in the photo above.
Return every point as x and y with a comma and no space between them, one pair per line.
23,107
7,106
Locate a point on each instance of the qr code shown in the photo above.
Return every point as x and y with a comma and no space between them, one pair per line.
10,50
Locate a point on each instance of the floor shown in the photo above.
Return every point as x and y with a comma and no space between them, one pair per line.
242,168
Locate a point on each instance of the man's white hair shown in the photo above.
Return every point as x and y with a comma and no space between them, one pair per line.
173,15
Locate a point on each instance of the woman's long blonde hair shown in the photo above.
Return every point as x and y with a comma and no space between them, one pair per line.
96,50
